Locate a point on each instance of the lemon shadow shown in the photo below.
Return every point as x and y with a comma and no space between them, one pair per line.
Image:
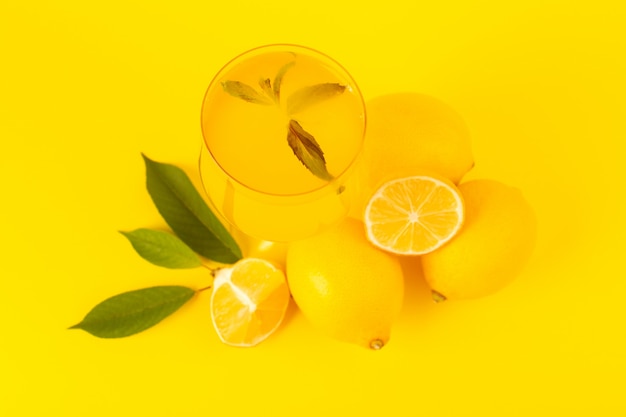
418,300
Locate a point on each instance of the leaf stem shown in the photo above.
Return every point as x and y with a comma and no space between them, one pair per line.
213,270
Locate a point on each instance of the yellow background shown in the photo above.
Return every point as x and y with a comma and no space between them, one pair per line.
85,87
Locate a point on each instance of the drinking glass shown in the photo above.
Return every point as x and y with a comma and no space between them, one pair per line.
283,127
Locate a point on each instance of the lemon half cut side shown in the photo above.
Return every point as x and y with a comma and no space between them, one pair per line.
248,302
414,215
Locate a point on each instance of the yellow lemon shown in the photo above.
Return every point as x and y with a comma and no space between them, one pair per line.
409,133
491,248
251,247
274,252
346,287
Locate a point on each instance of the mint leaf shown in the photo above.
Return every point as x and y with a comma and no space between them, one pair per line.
244,92
266,86
184,210
308,151
311,95
278,79
134,311
163,249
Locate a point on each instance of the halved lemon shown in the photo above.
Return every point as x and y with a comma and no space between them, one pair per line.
414,215
248,302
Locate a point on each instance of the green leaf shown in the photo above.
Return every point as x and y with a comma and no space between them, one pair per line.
244,92
163,249
134,311
184,210
308,151
311,95
278,79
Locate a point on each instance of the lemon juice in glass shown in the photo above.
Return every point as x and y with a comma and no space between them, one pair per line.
283,127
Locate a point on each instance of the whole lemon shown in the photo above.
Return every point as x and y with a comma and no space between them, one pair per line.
344,286
407,133
491,248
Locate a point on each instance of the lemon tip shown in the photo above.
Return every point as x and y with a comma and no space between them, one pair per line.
438,297
377,344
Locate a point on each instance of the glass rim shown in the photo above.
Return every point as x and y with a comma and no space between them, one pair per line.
286,47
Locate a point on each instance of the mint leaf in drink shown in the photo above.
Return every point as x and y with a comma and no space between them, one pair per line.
245,92
307,150
266,86
134,311
184,210
278,79
163,249
311,95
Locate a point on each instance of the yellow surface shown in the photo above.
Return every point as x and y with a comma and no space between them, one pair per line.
85,87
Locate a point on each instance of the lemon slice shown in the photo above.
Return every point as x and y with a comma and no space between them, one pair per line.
248,302
414,215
